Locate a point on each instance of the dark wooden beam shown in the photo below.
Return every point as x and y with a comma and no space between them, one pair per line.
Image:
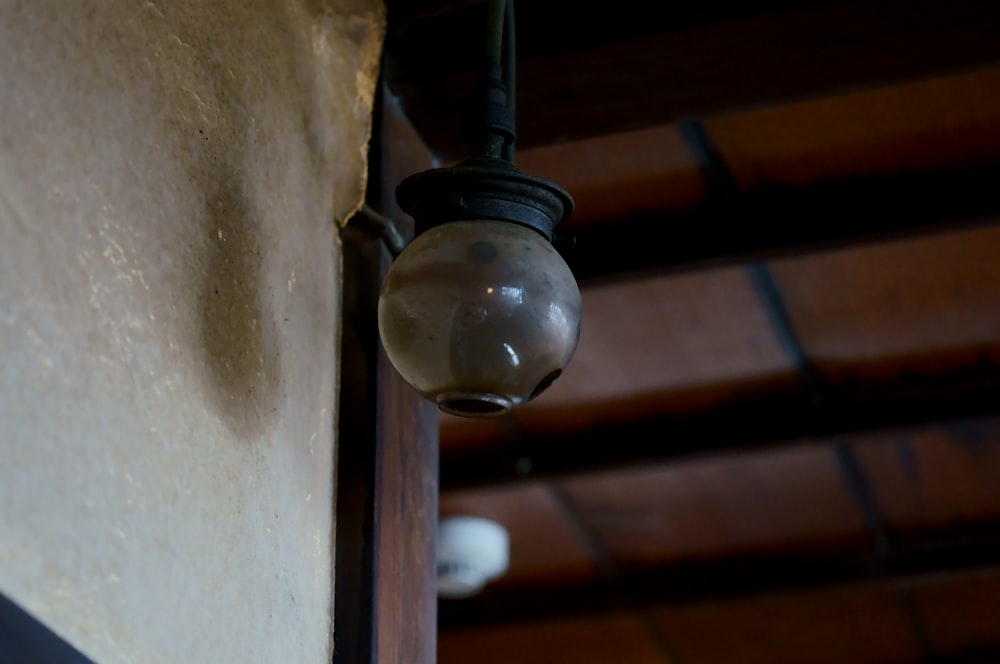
941,552
767,419
777,220
983,656
406,462
634,65
387,485
546,27
406,507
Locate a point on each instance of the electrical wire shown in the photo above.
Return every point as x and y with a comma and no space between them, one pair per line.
494,37
501,56
510,75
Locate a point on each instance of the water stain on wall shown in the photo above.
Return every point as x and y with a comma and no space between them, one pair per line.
237,326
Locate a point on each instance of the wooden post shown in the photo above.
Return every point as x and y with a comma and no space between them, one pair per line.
387,479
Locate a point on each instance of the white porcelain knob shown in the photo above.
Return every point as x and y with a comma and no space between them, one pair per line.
472,551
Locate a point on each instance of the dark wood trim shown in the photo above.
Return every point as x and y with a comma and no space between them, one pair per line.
355,550
406,508
387,475
406,460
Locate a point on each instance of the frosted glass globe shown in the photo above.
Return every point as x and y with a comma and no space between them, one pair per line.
479,316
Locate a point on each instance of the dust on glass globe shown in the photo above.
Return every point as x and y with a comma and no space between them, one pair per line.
479,316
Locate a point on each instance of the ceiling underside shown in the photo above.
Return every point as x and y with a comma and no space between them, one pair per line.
779,440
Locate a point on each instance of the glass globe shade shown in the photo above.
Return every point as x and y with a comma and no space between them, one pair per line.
479,316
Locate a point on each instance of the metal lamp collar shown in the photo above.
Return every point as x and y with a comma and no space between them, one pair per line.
488,186
483,187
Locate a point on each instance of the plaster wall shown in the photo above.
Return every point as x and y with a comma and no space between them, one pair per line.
171,176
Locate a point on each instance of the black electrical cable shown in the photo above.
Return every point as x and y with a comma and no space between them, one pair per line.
494,37
510,75
501,60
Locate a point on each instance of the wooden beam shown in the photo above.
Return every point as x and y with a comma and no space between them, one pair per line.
387,485
944,551
768,419
777,220
576,80
406,497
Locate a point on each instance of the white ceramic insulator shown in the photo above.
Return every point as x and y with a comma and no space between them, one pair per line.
472,551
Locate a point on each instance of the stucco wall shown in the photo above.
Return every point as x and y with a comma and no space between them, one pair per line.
170,177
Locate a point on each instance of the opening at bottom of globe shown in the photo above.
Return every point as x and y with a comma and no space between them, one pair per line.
473,404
